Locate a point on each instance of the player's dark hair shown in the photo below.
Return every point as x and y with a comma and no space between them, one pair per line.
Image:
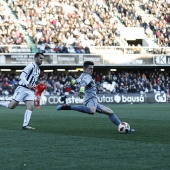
37,54
87,63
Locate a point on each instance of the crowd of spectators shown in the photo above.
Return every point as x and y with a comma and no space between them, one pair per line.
10,33
115,82
68,26
160,27
68,23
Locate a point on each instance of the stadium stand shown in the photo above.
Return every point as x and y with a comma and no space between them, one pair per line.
116,82
82,26
12,36
64,26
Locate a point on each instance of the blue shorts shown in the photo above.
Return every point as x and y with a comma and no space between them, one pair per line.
93,102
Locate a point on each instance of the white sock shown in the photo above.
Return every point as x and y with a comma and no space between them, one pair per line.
4,103
27,117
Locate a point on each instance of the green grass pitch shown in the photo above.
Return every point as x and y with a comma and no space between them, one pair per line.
78,141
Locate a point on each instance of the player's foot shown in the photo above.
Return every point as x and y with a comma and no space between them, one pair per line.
63,107
28,128
59,107
38,107
132,130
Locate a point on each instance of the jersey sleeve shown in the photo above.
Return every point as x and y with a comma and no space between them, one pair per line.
86,79
28,68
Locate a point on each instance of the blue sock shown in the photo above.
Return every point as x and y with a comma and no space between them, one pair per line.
81,108
114,119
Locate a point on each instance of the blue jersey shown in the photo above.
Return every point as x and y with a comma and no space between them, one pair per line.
89,84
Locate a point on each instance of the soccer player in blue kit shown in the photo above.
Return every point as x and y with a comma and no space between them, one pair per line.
88,93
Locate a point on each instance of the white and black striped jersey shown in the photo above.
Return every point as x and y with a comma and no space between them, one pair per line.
29,75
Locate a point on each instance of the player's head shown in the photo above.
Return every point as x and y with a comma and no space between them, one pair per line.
38,58
88,67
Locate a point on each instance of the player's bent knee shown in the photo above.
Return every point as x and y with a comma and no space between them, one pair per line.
108,111
92,110
11,107
31,107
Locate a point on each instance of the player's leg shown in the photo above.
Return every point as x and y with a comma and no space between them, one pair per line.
89,107
38,101
10,105
106,110
15,99
112,116
27,115
79,108
29,101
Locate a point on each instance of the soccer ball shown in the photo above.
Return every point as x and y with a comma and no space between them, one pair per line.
124,127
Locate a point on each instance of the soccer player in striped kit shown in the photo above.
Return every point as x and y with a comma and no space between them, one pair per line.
26,90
